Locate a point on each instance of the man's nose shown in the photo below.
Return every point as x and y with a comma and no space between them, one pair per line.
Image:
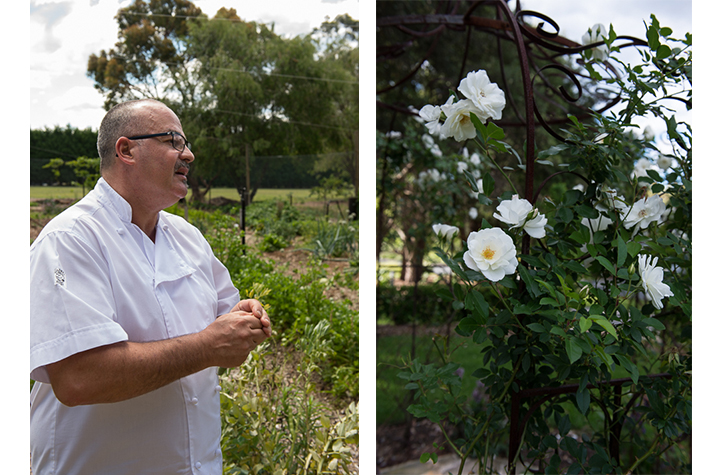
187,155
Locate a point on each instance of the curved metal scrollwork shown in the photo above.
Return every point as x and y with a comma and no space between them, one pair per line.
535,44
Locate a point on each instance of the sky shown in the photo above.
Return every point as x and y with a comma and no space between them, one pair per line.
64,33
627,18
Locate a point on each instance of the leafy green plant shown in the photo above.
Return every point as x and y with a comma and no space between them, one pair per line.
296,302
275,425
590,283
272,242
334,240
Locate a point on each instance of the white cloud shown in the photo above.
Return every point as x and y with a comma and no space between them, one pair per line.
64,34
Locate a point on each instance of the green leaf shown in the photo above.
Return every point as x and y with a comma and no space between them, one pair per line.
621,255
654,175
481,373
605,357
549,301
488,184
664,51
583,399
471,181
573,348
575,266
655,323
550,441
530,285
536,327
467,326
564,425
476,302
605,262
629,366
605,324
581,235
584,324
656,402
587,211
571,197
494,132
633,248
652,37
565,215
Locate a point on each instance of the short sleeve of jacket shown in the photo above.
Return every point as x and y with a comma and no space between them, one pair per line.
71,304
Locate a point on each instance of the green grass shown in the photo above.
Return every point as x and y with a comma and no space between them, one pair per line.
263,194
392,398
55,192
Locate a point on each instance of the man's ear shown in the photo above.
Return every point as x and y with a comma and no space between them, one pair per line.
124,151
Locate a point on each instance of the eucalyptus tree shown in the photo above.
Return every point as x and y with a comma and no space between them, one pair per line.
240,89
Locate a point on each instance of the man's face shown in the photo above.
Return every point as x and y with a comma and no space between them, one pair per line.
161,167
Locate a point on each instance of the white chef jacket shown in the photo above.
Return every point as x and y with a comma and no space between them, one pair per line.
97,279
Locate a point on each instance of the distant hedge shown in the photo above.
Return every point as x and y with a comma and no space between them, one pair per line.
402,305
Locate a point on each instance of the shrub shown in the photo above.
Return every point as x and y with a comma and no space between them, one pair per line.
273,424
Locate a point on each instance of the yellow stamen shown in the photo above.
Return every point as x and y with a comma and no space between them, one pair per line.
488,253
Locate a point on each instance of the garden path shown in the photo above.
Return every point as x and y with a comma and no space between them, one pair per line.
446,464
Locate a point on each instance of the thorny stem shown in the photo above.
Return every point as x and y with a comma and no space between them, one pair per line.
510,182
644,456
505,304
655,442
488,421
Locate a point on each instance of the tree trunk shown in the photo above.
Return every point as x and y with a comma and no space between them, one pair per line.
412,258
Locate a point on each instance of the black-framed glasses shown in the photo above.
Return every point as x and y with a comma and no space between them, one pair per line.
178,141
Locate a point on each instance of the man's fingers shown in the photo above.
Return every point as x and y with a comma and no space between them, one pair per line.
250,305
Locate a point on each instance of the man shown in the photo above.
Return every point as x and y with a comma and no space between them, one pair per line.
131,313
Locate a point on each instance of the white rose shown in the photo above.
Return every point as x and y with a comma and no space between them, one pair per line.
640,168
665,161
652,279
648,133
535,226
594,35
475,159
610,198
445,231
487,97
492,253
515,212
644,212
458,120
431,115
600,223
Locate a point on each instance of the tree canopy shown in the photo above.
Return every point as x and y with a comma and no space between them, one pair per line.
241,91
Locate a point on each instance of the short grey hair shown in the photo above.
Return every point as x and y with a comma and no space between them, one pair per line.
122,120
